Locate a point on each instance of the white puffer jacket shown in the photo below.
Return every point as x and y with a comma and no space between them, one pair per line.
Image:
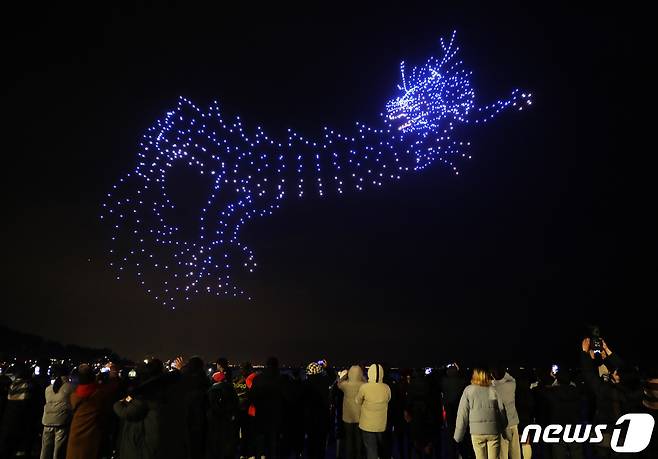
57,410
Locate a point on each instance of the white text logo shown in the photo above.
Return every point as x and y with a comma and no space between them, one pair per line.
638,428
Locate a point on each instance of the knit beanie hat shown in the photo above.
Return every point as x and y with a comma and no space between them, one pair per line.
314,368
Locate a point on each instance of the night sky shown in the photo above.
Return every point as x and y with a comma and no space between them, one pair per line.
544,230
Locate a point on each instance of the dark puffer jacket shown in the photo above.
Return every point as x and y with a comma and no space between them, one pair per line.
222,411
565,404
139,436
612,400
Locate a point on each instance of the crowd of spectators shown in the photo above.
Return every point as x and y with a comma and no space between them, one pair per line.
187,409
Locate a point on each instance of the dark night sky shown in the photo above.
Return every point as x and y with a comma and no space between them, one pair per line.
544,230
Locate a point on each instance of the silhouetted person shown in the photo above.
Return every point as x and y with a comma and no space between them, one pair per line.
452,387
193,386
545,381
247,411
293,419
614,396
316,409
221,369
222,415
267,394
140,415
418,414
396,411
19,425
564,402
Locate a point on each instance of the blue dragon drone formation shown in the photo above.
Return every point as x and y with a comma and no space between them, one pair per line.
253,174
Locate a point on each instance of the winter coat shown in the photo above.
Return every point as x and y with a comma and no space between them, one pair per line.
481,411
174,435
373,397
315,395
350,388
524,403
506,390
242,386
57,410
418,411
564,404
293,419
452,387
540,404
222,411
92,411
193,392
139,434
267,394
612,400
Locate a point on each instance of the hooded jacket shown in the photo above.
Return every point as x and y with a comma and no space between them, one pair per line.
506,390
373,398
481,411
350,388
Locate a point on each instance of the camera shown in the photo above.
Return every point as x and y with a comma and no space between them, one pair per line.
596,343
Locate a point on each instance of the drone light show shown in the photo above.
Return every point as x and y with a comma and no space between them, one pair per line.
252,173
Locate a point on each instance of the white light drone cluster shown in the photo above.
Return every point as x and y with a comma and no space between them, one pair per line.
253,174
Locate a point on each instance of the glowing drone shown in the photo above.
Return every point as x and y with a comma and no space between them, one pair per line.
253,174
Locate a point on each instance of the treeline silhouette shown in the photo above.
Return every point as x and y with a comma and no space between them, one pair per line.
21,345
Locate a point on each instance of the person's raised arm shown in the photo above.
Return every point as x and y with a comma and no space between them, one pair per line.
341,379
590,373
612,359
